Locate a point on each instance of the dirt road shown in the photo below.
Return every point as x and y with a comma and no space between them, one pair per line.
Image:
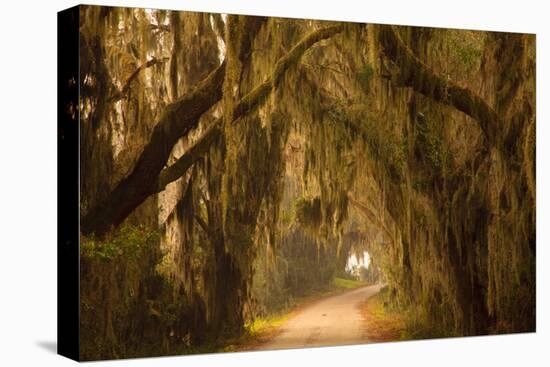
334,320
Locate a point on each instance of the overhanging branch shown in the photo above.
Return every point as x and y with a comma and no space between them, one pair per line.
409,71
252,100
261,92
198,150
180,117
371,216
176,121
119,94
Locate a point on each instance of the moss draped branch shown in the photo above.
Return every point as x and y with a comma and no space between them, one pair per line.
250,101
261,92
119,94
198,150
180,117
176,121
371,216
409,71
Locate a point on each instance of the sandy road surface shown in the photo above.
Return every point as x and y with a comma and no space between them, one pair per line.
334,320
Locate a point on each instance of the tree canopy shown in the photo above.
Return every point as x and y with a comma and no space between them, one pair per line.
229,162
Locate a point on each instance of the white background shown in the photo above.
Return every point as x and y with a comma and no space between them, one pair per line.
28,182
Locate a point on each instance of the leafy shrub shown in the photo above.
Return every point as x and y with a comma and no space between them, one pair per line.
128,241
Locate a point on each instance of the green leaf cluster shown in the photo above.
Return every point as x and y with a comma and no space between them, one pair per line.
129,241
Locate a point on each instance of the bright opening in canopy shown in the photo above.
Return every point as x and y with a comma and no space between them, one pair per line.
355,263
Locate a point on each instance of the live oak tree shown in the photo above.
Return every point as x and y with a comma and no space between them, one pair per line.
245,141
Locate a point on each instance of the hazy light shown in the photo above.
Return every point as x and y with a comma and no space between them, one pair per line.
354,263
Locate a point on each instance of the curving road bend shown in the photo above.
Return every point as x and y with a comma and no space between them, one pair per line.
335,320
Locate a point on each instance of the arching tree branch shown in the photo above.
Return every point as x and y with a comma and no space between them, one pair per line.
371,216
177,120
260,93
408,71
252,100
119,94
246,104
198,150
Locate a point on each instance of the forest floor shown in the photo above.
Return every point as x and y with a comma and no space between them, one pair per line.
332,318
380,323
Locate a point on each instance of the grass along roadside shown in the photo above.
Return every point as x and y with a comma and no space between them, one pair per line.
381,323
341,283
384,323
264,329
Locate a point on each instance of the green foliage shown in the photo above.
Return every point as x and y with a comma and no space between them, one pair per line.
465,46
395,153
128,241
429,146
365,74
347,283
387,146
